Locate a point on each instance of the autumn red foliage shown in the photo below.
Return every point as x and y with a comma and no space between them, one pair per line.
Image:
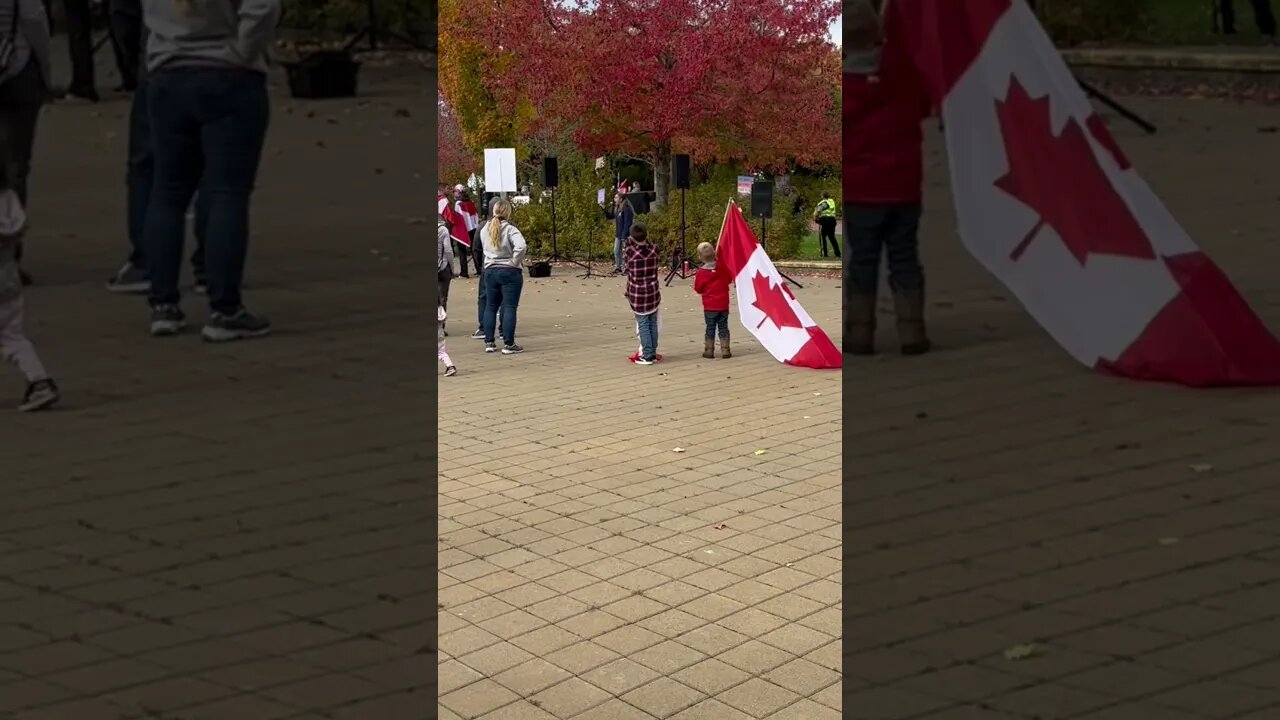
746,80
453,163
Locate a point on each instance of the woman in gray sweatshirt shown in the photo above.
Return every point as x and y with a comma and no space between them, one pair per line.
504,250
207,101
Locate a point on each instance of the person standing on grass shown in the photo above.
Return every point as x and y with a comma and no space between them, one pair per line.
884,107
1262,15
504,251
207,64
825,214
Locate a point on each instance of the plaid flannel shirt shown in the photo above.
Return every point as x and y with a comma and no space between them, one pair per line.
642,276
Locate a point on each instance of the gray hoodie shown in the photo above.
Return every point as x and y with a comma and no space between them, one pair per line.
217,33
32,41
12,222
511,246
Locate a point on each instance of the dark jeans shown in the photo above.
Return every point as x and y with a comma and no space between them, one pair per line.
463,253
20,101
717,320
125,17
80,42
502,288
827,231
891,229
139,179
648,327
206,124
443,279
481,301
1262,15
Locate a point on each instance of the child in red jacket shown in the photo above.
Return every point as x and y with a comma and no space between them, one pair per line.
712,284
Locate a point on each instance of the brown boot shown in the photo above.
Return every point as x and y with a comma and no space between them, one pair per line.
909,306
709,349
860,325
724,349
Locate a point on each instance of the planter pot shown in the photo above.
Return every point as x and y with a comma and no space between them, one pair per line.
324,74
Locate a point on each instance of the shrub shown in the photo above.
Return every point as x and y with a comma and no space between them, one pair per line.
408,17
1072,22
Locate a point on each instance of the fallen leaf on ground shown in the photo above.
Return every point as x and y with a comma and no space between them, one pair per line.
1201,467
1169,541
677,449
1020,652
761,452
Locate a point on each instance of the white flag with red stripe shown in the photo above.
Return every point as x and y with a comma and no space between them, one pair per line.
1049,204
766,305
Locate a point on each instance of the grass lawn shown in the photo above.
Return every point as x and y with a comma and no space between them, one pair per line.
1173,22
810,249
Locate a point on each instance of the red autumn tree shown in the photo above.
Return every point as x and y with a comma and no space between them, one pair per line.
454,164
744,80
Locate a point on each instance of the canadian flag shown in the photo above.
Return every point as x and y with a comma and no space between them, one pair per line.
765,303
1049,204
457,223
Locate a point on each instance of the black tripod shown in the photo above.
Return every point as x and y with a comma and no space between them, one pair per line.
764,222
680,258
376,33
594,229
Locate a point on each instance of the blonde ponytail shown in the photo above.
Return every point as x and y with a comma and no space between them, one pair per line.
501,213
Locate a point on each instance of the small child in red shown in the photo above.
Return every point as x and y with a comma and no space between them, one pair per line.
712,284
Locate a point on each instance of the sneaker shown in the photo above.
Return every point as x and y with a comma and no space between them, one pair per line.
645,361
129,280
512,349
490,347
450,371
477,335
41,394
167,320
240,326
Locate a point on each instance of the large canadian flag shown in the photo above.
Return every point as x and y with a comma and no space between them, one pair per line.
456,221
1047,201
765,303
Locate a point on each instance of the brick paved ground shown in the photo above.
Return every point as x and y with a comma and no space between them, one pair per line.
1004,497
588,570
236,532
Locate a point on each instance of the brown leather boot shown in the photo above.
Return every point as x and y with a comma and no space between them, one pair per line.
724,349
709,349
909,306
860,325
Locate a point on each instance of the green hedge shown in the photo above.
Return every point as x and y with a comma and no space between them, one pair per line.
414,18
581,224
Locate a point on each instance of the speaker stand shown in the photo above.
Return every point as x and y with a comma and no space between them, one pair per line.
680,258
764,222
555,244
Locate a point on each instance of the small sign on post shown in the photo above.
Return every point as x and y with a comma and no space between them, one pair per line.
744,185
500,170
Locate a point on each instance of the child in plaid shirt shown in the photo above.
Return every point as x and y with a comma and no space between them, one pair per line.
641,259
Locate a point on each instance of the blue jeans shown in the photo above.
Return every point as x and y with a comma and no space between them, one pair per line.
139,180
648,325
205,123
617,254
717,320
502,288
873,231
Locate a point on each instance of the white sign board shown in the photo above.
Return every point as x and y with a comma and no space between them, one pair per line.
500,170
600,196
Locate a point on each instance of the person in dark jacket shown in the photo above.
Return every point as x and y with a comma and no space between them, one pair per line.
623,215
24,87
79,15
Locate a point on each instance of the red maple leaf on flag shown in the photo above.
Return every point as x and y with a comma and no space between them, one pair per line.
1060,178
772,301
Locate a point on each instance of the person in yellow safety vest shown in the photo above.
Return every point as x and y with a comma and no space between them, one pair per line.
825,214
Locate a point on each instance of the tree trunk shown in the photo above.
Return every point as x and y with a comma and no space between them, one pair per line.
662,174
